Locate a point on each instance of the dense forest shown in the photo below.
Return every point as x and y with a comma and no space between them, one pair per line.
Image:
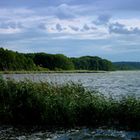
92,63
10,60
127,65
51,61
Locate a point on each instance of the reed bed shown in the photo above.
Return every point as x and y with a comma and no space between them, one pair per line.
67,105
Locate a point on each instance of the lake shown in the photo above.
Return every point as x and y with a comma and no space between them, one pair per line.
11,133
116,83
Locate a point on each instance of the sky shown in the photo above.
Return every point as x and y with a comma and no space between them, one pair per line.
106,28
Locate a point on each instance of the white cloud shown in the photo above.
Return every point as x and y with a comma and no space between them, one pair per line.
86,27
67,21
123,29
74,28
10,31
102,19
129,22
59,28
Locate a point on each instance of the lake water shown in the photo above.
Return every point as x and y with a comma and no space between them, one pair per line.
109,83
10,133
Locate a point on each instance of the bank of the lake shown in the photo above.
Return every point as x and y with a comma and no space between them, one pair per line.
47,71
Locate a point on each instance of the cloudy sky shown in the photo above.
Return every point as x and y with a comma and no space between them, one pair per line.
105,28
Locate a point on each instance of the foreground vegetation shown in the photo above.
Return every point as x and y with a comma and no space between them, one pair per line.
69,105
14,61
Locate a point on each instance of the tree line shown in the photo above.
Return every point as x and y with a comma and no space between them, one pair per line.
127,65
10,60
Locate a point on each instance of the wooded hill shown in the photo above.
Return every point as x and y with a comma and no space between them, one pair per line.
12,61
127,65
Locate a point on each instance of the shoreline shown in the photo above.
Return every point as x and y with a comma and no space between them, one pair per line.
61,72
69,134
49,72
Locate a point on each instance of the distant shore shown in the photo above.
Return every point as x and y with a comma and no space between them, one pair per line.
36,72
52,72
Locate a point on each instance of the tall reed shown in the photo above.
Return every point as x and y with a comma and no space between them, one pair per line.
67,105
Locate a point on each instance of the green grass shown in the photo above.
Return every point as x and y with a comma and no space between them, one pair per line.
68,105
